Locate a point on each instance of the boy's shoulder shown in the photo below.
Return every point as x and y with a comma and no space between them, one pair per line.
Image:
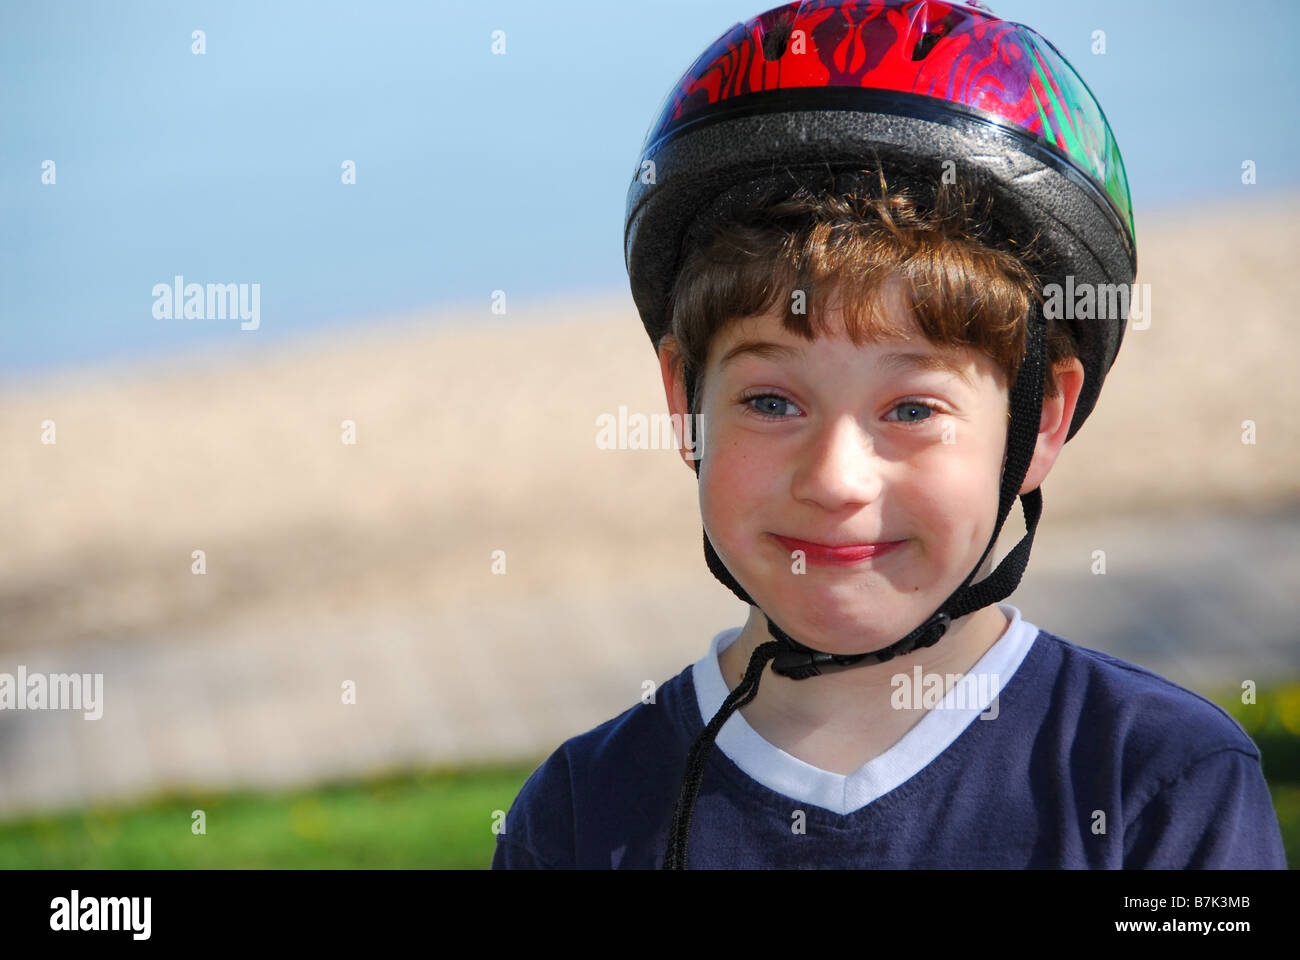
624,769
1151,716
1188,779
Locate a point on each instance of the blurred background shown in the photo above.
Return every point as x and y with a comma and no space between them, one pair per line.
463,305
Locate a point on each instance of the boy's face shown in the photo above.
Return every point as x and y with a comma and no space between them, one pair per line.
835,444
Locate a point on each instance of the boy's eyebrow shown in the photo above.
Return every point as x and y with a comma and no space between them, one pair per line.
760,348
929,361
915,361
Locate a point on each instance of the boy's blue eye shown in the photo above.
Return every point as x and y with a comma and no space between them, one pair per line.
911,407
770,405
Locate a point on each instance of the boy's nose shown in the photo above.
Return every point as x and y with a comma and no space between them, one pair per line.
839,466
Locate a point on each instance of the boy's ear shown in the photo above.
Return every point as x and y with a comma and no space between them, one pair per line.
1054,425
672,368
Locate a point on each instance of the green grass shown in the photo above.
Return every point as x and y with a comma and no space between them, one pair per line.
1286,799
436,819
439,819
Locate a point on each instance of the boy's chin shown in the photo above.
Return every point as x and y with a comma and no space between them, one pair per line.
855,627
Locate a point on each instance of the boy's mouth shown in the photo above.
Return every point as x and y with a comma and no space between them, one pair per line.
841,555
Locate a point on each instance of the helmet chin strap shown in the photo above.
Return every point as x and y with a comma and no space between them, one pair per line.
797,661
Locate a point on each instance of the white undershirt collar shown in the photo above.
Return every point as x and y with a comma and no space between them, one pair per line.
791,777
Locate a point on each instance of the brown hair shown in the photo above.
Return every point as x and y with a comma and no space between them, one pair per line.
964,290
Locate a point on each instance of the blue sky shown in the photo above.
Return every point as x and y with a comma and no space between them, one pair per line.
475,172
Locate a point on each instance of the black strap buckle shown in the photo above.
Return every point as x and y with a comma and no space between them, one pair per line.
937,625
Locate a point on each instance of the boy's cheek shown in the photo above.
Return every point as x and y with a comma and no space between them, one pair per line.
737,486
734,516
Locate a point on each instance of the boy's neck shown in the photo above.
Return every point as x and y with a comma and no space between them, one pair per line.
839,721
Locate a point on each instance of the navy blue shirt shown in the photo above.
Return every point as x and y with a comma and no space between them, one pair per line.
1079,760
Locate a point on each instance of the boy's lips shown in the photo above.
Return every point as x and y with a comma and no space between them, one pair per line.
845,554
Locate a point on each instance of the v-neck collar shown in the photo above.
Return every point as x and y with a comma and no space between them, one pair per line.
779,771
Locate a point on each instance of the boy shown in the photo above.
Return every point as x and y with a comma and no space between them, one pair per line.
875,382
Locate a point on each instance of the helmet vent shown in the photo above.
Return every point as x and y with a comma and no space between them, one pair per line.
776,31
926,44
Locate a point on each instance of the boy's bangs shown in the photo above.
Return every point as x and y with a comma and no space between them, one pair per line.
824,264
